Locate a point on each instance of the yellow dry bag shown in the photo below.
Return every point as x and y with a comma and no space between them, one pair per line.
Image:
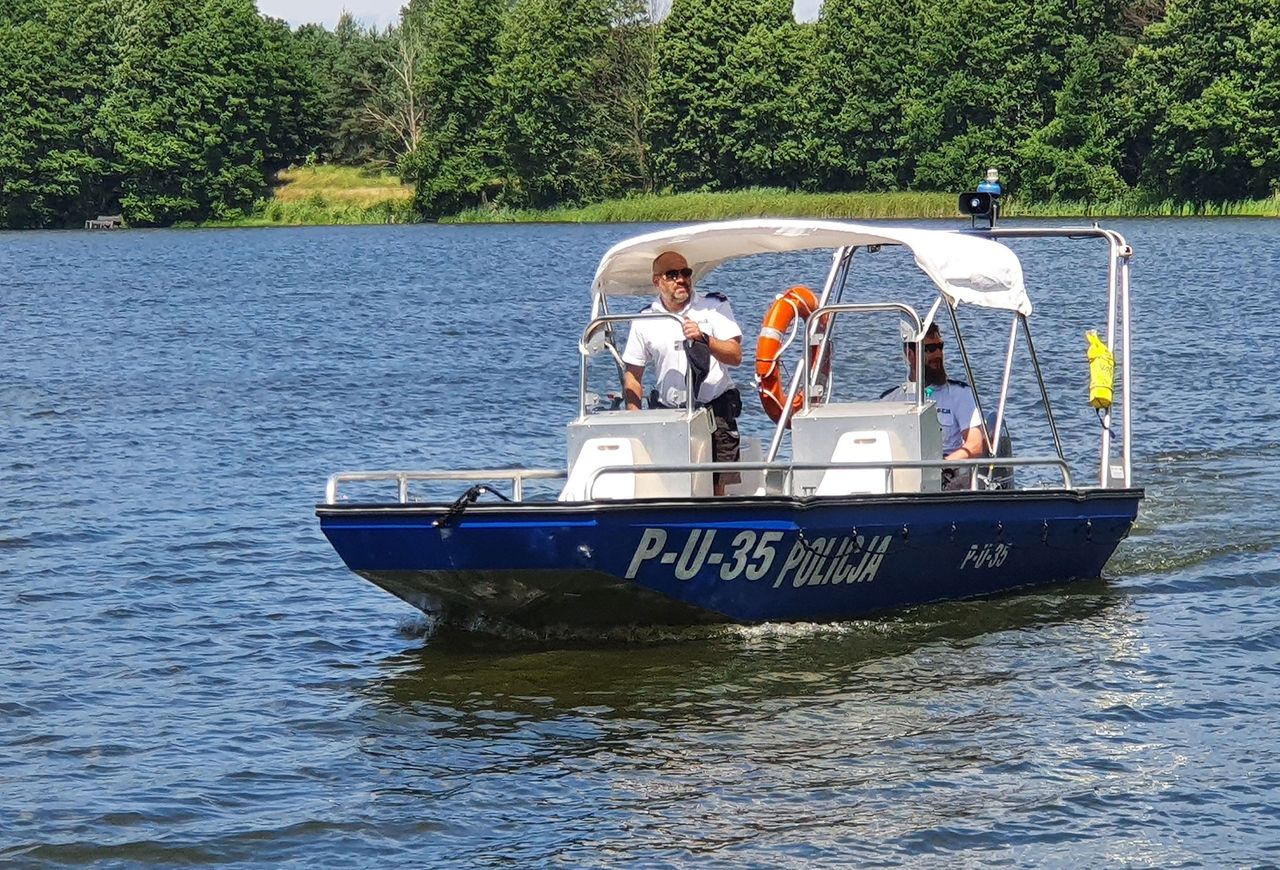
1102,371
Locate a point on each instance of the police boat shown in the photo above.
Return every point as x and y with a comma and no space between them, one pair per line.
841,514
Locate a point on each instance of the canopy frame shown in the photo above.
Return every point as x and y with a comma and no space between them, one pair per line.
968,266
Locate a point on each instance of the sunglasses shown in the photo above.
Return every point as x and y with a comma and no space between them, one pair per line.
673,274
930,347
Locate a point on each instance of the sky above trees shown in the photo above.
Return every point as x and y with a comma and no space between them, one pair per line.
380,13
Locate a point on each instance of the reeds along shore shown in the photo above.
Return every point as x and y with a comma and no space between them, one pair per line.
320,195
853,206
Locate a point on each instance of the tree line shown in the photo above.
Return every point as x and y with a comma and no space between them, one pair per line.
182,110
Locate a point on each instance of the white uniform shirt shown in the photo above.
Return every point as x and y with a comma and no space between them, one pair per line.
956,409
658,344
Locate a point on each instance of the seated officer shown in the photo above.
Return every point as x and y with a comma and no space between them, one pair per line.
962,436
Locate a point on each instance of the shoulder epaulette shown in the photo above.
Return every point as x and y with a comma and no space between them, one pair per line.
956,383
890,390
714,295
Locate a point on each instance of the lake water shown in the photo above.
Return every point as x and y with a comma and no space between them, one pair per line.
188,674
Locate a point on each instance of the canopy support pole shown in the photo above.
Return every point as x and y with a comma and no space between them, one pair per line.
1044,390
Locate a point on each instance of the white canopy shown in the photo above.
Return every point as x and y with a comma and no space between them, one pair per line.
965,267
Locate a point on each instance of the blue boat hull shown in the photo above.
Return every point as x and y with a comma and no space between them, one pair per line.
612,564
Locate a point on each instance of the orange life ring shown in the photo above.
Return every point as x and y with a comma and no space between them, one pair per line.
801,301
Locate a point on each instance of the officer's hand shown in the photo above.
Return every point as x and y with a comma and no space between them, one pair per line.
692,331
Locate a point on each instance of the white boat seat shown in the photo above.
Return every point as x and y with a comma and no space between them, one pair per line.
866,446
599,453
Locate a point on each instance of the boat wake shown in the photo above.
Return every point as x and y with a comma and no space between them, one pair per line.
940,621
490,633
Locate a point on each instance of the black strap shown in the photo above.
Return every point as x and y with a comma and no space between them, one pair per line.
463,502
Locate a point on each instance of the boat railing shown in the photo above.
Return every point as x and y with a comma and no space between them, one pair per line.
516,476
788,467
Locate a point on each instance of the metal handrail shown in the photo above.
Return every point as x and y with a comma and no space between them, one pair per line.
584,351
517,476
803,377
981,462
814,323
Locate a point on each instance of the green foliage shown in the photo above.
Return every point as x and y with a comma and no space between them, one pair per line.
858,84
764,202
621,98
291,106
50,174
754,202
182,110
1263,144
164,110
1203,103
457,161
346,64
691,109
765,101
984,80
549,54
1140,205
201,103
1076,154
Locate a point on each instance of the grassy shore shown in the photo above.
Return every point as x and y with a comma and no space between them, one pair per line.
320,195
757,202
770,202
326,195
1139,207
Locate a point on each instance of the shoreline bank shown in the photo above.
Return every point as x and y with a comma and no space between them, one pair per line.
335,196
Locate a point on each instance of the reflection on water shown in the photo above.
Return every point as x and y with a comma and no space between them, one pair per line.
819,740
732,665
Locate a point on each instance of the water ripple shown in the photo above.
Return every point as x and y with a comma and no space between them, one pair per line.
190,676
